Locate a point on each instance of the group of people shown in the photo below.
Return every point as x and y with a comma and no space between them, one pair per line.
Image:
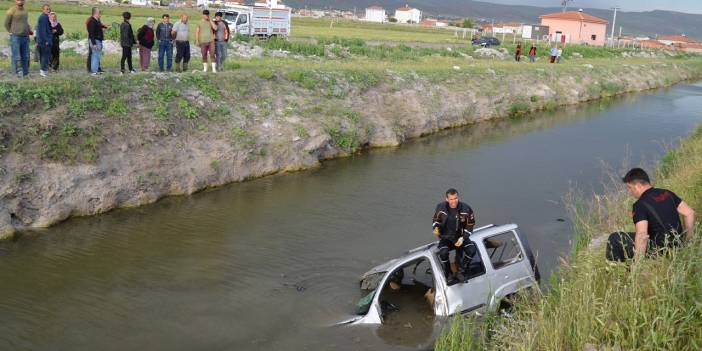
211,35
556,53
656,215
46,37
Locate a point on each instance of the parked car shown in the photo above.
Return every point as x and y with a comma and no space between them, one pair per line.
503,266
486,41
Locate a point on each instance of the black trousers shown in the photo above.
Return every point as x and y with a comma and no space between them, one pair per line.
126,56
55,54
464,254
182,51
620,246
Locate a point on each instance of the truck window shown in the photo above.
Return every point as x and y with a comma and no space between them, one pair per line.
242,20
230,16
503,249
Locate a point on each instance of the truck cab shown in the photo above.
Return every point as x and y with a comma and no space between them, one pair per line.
260,20
504,265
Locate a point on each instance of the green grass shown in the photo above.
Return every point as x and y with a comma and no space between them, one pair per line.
652,304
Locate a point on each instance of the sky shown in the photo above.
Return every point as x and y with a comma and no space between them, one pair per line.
689,6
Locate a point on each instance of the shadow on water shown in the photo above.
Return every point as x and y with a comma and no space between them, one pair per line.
269,264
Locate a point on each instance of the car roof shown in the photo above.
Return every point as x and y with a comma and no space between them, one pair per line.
424,250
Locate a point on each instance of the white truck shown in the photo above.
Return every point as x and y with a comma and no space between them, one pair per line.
263,19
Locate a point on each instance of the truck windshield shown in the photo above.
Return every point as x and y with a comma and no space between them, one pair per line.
230,16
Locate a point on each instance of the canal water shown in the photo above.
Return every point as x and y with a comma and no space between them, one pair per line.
270,264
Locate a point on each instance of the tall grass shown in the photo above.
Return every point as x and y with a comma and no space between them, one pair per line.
653,304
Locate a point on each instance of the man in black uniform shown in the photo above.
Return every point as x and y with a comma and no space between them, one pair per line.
656,215
453,222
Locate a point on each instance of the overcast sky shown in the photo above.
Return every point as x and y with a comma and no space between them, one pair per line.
689,6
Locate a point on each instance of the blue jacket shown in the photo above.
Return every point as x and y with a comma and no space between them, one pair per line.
43,34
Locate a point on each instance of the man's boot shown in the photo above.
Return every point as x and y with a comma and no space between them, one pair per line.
214,67
185,66
177,68
450,279
204,67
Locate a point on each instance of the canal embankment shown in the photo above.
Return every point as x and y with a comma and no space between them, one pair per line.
75,145
593,304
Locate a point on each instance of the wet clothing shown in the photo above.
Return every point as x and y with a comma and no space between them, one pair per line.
660,208
454,223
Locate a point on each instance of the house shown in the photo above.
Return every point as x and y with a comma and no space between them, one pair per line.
140,2
430,22
375,14
407,14
652,44
675,39
575,27
507,28
691,47
534,32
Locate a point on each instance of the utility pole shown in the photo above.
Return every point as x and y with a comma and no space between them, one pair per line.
614,22
564,3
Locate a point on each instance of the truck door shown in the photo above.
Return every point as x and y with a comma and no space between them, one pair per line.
242,24
510,270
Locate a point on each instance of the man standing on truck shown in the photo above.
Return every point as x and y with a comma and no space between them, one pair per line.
453,222
656,215
205,39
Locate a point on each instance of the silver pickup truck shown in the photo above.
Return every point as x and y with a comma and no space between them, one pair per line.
505,265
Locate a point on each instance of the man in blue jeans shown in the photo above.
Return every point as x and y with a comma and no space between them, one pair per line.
165,46
44,39
95,38
17,24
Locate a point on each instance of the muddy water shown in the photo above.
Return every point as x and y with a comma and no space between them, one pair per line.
269,264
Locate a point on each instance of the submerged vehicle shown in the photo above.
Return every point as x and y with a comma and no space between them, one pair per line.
504,265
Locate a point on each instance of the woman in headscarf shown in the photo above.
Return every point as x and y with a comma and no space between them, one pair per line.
145,38
57,31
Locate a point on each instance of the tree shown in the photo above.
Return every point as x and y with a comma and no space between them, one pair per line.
467,23
392,19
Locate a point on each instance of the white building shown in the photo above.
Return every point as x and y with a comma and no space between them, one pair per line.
407,14
140,2
376,14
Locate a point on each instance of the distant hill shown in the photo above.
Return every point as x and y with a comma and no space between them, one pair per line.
648,23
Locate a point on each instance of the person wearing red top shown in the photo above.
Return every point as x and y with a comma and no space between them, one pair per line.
532,53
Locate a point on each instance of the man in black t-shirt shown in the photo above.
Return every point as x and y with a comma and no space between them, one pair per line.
453,222
656,215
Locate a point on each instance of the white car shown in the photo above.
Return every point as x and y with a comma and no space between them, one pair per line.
504,264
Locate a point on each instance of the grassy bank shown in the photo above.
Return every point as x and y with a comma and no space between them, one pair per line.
596,305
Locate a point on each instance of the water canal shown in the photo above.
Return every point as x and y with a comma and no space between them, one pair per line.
269,264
